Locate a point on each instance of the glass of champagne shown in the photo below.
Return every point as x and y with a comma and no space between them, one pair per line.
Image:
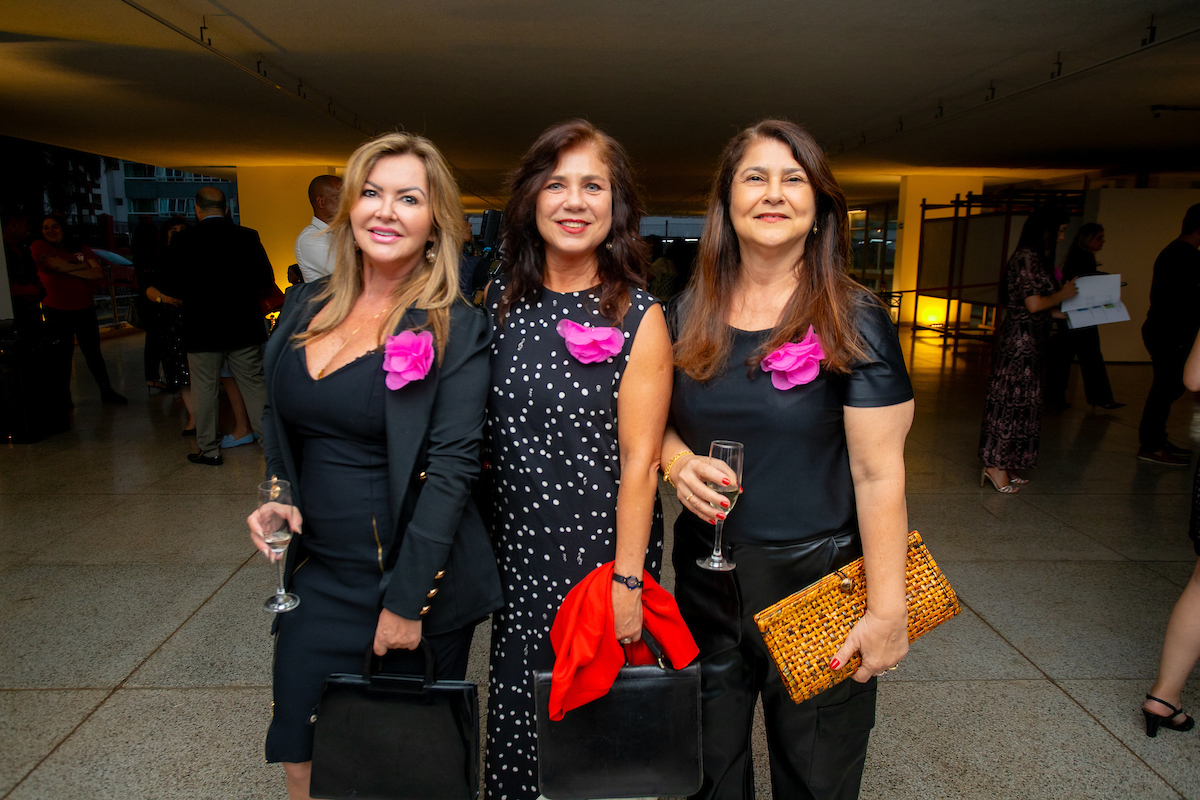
274,503
731,454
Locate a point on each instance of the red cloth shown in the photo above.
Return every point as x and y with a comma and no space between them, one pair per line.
63,292
587,655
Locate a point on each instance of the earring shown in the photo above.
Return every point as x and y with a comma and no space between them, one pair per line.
814,228
431,255
608,246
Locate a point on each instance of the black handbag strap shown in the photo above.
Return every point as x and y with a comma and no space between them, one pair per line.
372,663
655,650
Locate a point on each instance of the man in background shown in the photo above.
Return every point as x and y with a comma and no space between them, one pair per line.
1170,329
312,248
221,273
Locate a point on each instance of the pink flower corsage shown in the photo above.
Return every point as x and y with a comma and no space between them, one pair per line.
407,357
590,345
796,363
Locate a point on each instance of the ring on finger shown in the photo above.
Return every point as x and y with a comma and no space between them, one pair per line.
893,668
690,496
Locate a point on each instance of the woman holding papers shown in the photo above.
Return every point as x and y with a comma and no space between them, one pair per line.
1029,293
1083,342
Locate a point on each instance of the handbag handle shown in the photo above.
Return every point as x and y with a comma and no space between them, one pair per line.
655,650
373,663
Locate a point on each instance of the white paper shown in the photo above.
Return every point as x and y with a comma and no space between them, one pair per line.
1098,302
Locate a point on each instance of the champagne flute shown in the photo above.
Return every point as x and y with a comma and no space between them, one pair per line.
731,454
274,503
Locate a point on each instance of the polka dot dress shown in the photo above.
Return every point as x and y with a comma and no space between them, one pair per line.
552,433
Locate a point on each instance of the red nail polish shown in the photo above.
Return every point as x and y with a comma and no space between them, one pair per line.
724,504
835,664
725,481
720,516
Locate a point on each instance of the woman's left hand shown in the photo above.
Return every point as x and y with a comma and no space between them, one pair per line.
394,632
881,642
627,612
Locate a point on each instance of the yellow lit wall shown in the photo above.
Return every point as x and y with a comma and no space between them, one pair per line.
274,202
914,188
932,311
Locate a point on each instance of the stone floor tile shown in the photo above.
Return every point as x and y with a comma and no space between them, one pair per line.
164,744
962,648
995,527
996,739
227,643
1073,620
90,626
1117,704
1139,527
34,722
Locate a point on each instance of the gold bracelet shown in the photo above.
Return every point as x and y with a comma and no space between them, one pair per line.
670,466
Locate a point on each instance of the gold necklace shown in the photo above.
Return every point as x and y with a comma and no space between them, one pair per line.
346,341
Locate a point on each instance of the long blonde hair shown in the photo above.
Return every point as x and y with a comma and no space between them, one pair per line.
432,286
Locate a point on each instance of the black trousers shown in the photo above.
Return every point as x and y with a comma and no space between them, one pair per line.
1167,356
64,328
817,748
1065,345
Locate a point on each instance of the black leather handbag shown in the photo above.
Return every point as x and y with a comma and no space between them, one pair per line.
396,737
642,739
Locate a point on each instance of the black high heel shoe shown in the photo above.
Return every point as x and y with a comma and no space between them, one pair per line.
1154,721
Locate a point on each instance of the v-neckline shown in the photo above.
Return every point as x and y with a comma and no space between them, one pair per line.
328,375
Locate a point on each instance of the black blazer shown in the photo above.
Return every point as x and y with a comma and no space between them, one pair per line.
441,568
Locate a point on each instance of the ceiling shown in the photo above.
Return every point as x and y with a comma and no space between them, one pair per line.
305,81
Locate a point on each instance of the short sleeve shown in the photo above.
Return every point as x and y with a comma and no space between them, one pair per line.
1022,282
881,378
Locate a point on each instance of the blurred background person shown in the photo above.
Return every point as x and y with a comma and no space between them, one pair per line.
312,246
1029,294
67,268
1171,324
1181,645
169,321
1067,342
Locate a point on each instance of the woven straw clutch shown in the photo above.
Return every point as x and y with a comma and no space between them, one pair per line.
804,631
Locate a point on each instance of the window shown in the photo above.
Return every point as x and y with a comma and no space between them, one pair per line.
174,174
143,205
138,170
168,206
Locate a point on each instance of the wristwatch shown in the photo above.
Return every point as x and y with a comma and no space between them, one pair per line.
631,583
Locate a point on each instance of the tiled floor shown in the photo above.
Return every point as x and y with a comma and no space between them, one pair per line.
134,660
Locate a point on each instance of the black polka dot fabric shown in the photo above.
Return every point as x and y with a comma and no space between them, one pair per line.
552,437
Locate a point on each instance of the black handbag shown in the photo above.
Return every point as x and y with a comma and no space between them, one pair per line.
642,739
395,737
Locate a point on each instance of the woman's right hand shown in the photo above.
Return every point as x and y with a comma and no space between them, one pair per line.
262,516
1068,290
691,476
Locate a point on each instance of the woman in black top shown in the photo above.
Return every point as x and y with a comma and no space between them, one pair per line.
376,385
823,481
1084,342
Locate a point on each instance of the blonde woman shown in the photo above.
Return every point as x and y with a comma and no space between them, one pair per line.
377,379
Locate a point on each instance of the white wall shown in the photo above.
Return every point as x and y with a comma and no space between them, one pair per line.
1138,224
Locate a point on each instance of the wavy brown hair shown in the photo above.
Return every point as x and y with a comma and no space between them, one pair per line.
620,268
432,285
825,296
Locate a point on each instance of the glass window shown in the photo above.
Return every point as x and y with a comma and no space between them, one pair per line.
143,205
138,170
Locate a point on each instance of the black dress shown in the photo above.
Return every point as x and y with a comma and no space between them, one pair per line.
552,436
343,485
1012,417
795,522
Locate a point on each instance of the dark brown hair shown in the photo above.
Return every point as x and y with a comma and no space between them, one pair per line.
623,266
825,295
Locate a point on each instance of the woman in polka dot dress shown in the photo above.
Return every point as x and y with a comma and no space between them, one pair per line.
572,488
